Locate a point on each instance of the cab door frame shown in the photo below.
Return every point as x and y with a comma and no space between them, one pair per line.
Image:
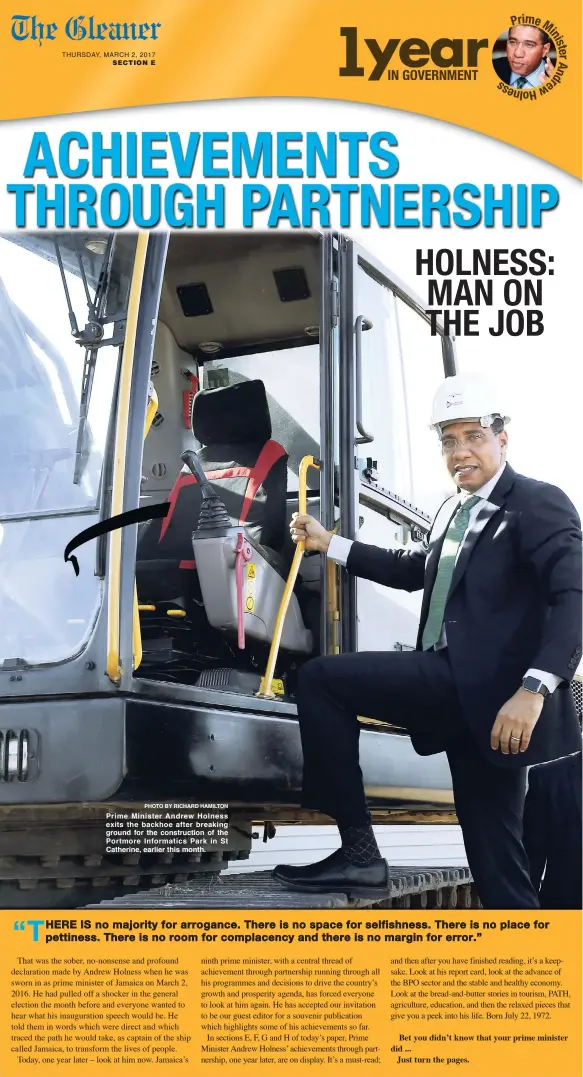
328,388
130,473
355,487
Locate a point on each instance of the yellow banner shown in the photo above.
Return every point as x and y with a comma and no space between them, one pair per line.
433,59
301,990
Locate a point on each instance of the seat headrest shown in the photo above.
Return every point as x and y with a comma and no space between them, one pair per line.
235,413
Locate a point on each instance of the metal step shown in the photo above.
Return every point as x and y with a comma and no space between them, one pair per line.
258,890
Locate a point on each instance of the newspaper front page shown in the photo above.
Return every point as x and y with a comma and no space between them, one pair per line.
290,547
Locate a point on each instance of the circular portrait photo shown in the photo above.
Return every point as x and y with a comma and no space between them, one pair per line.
524,57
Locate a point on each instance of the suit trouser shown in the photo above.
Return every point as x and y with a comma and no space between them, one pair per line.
415,690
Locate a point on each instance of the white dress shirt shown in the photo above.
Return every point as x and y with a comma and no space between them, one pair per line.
339,550
533,81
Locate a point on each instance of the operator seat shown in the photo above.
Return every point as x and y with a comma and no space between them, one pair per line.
248,471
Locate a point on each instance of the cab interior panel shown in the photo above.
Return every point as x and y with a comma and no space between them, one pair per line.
236,376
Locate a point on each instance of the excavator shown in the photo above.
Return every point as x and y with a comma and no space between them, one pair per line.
198,388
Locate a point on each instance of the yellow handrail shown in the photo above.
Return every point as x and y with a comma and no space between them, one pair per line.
121,437
151,409
265,686
137,631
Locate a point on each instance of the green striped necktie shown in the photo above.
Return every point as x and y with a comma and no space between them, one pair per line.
520,82
449,551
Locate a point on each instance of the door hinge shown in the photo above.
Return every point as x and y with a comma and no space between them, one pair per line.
334,311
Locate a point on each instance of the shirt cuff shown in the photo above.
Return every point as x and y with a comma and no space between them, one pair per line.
550,680
339,549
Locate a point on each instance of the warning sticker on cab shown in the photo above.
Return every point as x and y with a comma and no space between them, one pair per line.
250,589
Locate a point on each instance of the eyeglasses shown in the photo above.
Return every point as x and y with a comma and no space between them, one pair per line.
473,440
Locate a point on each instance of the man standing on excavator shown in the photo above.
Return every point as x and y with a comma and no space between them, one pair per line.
499,641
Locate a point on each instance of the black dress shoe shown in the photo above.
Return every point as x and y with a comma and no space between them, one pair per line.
334,874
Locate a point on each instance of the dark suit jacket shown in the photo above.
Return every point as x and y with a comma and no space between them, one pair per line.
552,831
514,604
502,69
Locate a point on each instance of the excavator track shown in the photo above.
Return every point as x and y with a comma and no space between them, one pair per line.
68,882
51,857
410,887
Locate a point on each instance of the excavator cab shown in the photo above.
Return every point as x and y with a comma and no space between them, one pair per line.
197,561
218,383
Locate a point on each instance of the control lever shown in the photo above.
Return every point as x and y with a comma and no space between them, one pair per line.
213,513
242,554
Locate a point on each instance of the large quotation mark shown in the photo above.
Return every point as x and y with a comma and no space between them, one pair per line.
21,925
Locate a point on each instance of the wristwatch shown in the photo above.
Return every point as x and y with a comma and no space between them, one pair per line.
531,684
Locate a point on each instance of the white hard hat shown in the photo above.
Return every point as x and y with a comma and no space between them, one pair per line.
467,396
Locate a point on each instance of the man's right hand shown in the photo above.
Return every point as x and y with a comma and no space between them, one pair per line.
307,529
548,71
